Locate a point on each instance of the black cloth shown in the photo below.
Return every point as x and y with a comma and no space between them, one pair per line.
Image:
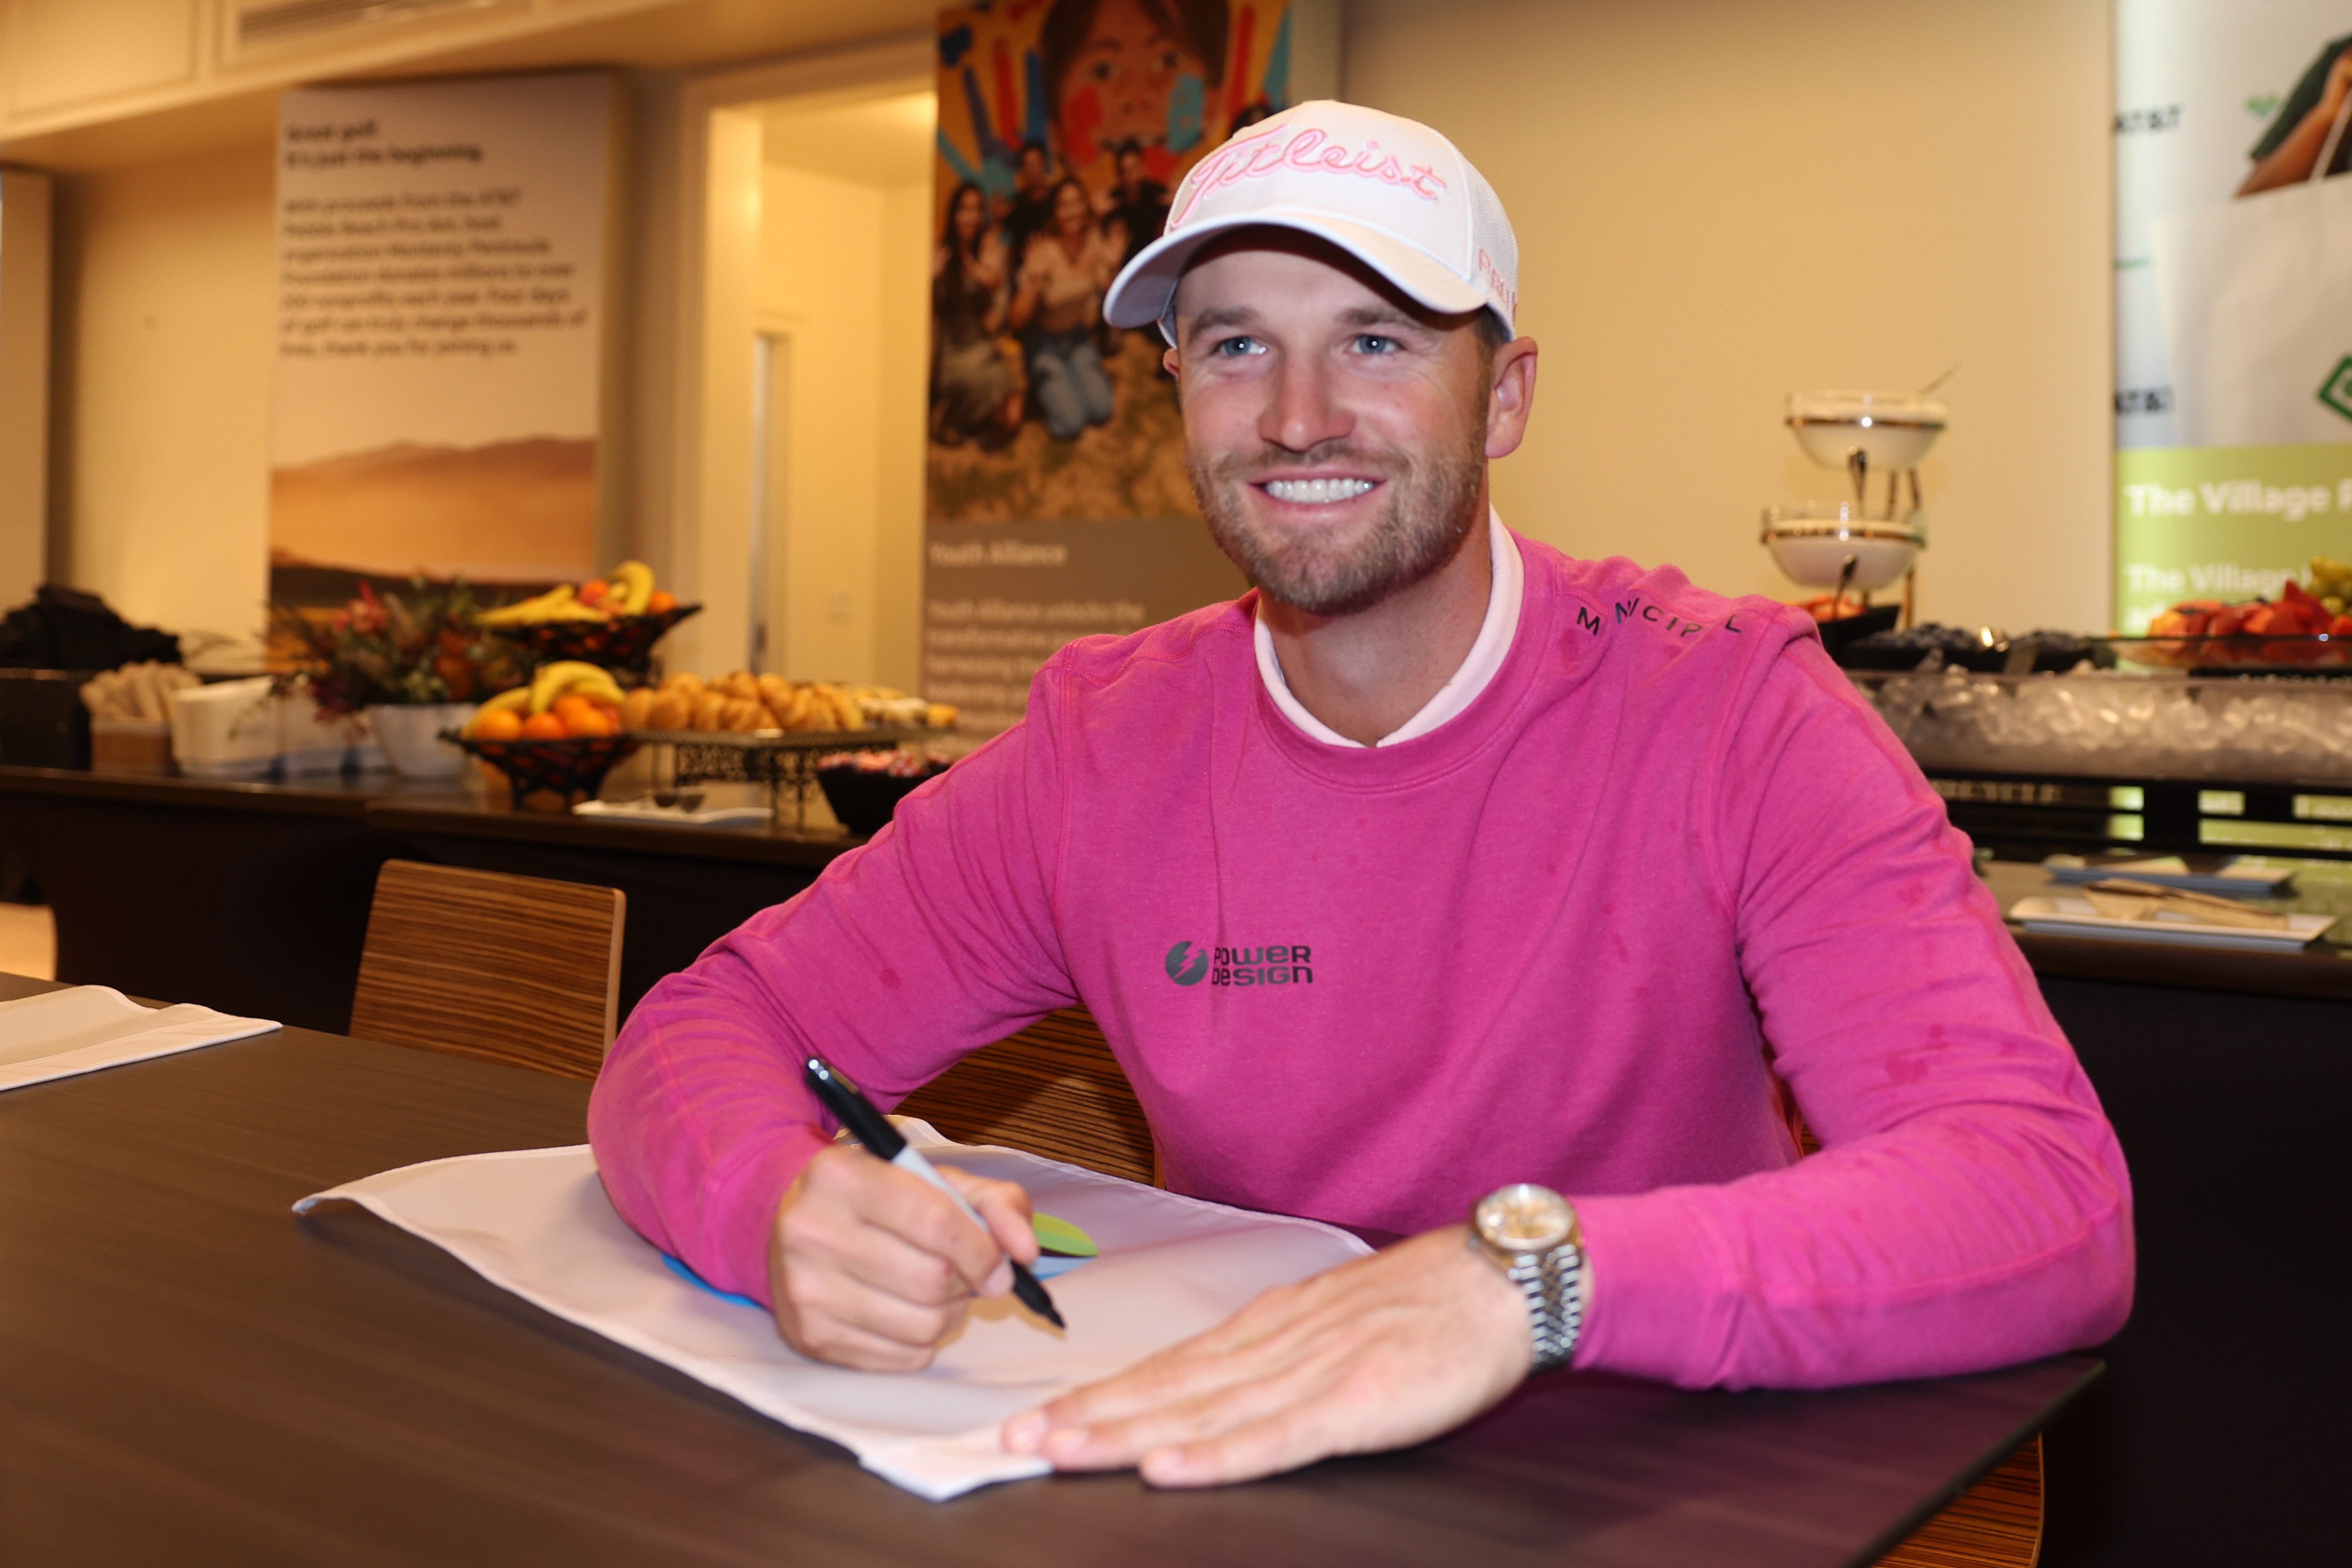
65,629
1029,215
1145,214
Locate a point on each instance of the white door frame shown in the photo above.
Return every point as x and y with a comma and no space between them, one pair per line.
705,447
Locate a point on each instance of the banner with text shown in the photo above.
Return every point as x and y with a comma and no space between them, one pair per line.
441,275
2233,298
1057,504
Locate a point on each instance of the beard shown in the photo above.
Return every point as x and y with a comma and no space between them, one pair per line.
1432,507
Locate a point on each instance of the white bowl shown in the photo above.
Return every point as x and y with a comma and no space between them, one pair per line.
1892,430
226,730
1811,545
411,737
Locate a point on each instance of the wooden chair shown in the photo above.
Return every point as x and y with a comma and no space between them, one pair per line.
1054,1090
516,969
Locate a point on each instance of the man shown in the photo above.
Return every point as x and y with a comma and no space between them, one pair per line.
1030,209
1137,206
1536,885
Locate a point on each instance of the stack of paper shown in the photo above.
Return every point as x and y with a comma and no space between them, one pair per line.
60,1034
537,1222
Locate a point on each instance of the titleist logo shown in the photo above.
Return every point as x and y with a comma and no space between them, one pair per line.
1307,151
1497,282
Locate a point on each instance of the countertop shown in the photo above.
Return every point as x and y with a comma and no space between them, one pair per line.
386,802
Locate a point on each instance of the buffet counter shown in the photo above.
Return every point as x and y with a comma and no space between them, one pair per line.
255,896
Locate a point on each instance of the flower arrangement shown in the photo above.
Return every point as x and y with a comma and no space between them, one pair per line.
392,651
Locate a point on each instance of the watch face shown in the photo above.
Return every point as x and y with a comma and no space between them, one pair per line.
1524,1218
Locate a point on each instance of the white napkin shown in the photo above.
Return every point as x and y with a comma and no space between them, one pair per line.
60,1034
537,1222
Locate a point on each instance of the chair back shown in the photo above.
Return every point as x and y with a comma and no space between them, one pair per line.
1055,1090
516,969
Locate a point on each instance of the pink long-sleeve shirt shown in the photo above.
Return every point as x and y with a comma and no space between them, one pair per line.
1585,933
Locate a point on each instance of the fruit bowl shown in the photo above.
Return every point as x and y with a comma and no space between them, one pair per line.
2242,653
865,798
571,770
624,642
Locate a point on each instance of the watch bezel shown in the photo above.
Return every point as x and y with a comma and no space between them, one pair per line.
1501,1219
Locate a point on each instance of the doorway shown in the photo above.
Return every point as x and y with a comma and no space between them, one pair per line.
816,298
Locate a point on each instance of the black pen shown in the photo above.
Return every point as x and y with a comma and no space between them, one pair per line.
884,1142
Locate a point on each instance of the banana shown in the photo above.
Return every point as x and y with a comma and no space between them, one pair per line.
541,607
598,687
515,701
567,675
634,581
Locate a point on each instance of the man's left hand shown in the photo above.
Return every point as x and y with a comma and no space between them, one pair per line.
1378,1354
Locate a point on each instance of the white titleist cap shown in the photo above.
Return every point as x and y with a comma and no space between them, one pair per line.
1391,192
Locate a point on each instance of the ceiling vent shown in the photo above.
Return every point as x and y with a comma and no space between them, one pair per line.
261,22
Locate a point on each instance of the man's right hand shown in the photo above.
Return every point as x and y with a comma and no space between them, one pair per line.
871,1267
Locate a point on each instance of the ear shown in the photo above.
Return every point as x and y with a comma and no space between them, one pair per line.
1510,396
1173,363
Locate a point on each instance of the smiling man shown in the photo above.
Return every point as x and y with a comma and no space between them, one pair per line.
1443,886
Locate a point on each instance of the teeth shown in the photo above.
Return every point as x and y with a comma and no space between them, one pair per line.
1316,492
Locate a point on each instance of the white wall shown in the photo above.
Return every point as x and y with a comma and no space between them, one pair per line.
905,393
1720,201
845,278
168,286
25,252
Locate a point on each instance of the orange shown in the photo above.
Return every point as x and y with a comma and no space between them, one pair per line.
590,720
592,591
663,600
499,724
570,708
543,726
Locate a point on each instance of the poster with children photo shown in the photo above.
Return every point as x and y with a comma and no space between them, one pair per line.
1063,125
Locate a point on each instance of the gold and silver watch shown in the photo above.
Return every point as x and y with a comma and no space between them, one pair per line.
1529,1233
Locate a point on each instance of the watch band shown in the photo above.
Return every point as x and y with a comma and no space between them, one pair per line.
1553,1284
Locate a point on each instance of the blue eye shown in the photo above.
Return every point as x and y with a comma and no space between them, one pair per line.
1232,348
1373,343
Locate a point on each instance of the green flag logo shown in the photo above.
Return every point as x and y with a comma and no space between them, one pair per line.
1187,965
2336,391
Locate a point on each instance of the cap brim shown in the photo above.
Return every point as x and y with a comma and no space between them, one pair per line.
1145,288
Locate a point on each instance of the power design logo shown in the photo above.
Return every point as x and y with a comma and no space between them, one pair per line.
1187,965
1289,964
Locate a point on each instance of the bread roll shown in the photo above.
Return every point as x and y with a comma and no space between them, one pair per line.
739,685
709,711
685,680
671,710
637,708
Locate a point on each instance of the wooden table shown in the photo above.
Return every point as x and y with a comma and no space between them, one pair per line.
188,1373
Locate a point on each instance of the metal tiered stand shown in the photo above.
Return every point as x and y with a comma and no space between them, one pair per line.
778,759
